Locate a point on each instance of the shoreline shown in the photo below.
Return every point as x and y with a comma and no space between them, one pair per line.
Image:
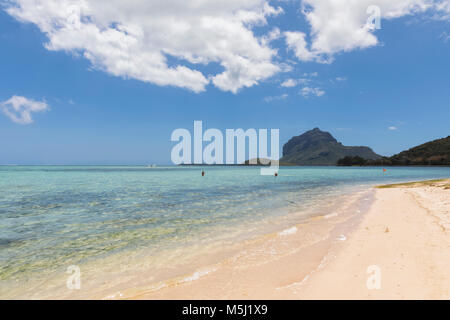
109,278
404,233
315,237
297,258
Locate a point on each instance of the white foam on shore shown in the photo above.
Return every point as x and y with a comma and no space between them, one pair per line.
197,275
289,231
331,215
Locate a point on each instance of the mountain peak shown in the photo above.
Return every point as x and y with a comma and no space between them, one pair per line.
317,134
317,147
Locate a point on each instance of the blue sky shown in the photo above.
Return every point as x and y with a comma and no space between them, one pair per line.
389,95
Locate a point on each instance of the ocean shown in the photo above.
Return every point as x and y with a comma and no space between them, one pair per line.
133,226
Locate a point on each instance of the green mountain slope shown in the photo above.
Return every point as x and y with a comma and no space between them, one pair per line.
316,147
435,152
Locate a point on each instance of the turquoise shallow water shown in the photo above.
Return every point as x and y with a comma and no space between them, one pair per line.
55,216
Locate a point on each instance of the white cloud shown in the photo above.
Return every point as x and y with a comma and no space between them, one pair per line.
168,43
289,83
392,128
275,98
442,10
140,39
342,26
310,91
296,42
341,79
272,35
19,109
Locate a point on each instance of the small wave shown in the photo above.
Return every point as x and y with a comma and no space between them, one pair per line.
331,215
196,275
288,231
168,283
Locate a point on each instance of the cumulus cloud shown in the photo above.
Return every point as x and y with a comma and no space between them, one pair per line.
161,42
346,25
289,83
19,109
169,43
296,41
392,128
310,91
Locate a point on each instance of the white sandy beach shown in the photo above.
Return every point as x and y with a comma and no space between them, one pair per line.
407,235
404,235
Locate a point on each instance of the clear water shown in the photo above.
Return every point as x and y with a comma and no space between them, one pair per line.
55,216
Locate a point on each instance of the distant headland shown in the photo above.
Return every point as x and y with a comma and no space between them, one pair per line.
319,148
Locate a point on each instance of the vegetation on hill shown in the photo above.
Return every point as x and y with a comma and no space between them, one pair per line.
436,152
351,161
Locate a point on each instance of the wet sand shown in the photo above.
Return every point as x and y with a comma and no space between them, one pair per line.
392,243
